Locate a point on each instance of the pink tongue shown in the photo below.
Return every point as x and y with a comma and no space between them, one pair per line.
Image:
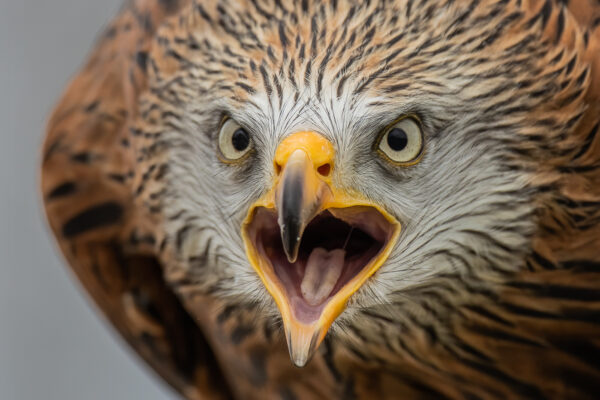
323,269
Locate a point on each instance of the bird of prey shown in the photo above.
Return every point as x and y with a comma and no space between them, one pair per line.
276,199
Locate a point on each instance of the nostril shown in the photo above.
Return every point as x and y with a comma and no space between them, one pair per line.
324,169
277,168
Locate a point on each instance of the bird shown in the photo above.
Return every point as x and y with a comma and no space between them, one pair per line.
275,199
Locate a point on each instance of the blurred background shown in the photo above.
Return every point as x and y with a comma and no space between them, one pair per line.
53,343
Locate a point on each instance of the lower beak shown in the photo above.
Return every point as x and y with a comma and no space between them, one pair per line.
311,244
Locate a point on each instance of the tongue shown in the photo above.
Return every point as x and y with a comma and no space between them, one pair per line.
323,269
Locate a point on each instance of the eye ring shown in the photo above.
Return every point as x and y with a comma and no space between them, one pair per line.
235,142
401,143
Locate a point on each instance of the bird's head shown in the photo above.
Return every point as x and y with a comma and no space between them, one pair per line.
323,159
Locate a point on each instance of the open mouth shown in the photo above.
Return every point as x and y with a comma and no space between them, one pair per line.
338,252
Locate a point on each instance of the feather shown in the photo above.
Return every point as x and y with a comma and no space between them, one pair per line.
496,292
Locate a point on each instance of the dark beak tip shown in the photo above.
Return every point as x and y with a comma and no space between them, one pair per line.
291,241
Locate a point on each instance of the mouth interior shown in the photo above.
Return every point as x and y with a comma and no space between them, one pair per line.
336,247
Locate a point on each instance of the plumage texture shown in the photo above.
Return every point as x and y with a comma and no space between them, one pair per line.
492,290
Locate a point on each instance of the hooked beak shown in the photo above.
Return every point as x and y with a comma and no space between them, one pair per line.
299,197
313,245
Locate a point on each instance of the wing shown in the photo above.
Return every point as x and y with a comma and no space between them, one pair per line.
86,174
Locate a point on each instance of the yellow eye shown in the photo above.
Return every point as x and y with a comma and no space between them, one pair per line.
234,141
402,142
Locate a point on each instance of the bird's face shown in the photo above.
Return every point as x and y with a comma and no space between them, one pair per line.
331,159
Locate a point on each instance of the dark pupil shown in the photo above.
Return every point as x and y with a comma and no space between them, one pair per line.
240,140
397,139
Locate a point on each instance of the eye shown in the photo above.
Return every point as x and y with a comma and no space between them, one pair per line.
234,141
402,142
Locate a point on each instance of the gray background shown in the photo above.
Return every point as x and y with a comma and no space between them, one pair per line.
53,345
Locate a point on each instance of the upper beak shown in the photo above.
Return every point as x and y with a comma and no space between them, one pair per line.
312,289
299,196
